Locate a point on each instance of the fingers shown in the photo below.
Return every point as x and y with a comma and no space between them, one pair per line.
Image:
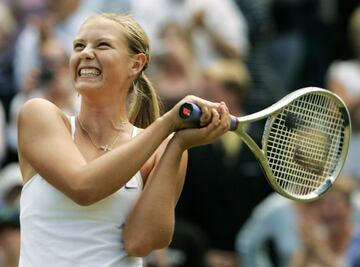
205,116
217,119
224,115
206,108
214,120
220,123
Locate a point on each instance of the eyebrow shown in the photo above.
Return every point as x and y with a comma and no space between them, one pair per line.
78,41
108,39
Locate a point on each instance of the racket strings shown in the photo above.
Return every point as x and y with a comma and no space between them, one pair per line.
305,142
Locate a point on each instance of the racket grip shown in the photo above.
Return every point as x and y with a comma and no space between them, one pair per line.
191,112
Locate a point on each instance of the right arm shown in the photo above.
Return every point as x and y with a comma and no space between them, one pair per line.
46,145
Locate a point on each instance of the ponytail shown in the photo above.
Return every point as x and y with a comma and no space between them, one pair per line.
145,104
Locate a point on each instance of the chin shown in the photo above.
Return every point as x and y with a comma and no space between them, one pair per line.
86,86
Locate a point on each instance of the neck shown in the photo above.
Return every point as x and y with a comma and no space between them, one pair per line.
100,116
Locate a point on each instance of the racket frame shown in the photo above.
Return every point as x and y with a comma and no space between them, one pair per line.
270,113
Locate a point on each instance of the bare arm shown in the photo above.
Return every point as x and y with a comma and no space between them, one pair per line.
49,149
46,144
151,223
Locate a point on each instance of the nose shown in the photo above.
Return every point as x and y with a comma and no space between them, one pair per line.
87,53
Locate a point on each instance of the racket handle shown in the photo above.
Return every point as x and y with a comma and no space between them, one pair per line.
191,112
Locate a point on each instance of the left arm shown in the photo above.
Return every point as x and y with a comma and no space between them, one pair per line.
151,222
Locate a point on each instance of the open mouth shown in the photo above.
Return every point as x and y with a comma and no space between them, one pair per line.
89,72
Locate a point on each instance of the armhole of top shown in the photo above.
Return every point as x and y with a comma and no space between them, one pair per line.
135,131
138,175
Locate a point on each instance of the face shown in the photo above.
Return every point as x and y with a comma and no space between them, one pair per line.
100,58
334,209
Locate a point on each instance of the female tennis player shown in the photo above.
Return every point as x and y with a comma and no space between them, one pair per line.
101,188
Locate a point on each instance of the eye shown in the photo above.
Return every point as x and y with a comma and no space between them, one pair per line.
78,46
103,45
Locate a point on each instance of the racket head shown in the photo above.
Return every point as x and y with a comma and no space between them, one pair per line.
305,143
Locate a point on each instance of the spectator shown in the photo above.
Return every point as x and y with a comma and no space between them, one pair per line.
8,31
99,6
201,18
270,236
9,242
65,17
10,190
266,86
326,229
175,71
273,219
344,80
50,80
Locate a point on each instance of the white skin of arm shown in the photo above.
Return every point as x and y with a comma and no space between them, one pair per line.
150,225
51,152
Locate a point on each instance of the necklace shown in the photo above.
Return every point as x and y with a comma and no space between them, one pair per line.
105,147
120,126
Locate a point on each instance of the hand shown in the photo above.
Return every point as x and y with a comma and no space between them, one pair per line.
176,123
219,124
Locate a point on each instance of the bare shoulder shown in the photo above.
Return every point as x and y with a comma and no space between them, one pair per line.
37,118
38,110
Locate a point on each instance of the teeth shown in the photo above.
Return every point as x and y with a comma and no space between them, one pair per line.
89,72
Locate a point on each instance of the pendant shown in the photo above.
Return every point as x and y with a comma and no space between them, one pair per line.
106,148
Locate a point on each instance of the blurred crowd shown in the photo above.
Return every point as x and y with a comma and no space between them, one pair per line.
248,53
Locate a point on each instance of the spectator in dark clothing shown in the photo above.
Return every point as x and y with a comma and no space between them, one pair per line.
8,31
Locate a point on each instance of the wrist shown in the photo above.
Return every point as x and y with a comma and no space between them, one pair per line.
167,122
172,121
178,143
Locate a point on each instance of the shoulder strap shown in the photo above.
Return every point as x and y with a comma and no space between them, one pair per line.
134,132
73,126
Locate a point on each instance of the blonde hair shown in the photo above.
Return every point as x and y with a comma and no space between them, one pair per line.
144,106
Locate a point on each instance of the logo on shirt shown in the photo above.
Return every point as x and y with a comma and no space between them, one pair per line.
130,187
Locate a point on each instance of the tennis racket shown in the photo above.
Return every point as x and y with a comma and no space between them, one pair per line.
304,144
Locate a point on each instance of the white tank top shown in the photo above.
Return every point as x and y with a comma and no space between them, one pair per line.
57,232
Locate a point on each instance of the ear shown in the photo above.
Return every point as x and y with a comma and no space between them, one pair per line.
137,64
